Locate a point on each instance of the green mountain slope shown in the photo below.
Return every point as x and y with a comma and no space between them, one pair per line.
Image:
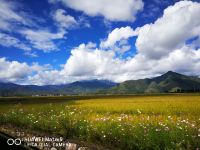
168,82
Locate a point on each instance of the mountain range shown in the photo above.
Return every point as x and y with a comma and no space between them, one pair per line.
169,82
78,87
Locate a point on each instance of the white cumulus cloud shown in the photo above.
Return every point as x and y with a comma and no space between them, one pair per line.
94,61
178,24
118,34
11,71
113,10
19,72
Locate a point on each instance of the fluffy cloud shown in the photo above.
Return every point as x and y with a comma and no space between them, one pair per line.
102,64
185,60
46,78
64,20
43,39
12,70
113,10
118,34
97,61
97,64
178,24
118,40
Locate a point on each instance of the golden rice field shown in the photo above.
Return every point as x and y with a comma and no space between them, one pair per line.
124,123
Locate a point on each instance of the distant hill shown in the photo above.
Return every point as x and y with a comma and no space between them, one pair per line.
168,82
88,86
79,87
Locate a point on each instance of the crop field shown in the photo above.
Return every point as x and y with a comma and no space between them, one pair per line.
122,123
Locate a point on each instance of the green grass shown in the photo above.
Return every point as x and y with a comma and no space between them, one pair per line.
127,123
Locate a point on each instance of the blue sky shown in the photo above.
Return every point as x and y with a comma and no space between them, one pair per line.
61,41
